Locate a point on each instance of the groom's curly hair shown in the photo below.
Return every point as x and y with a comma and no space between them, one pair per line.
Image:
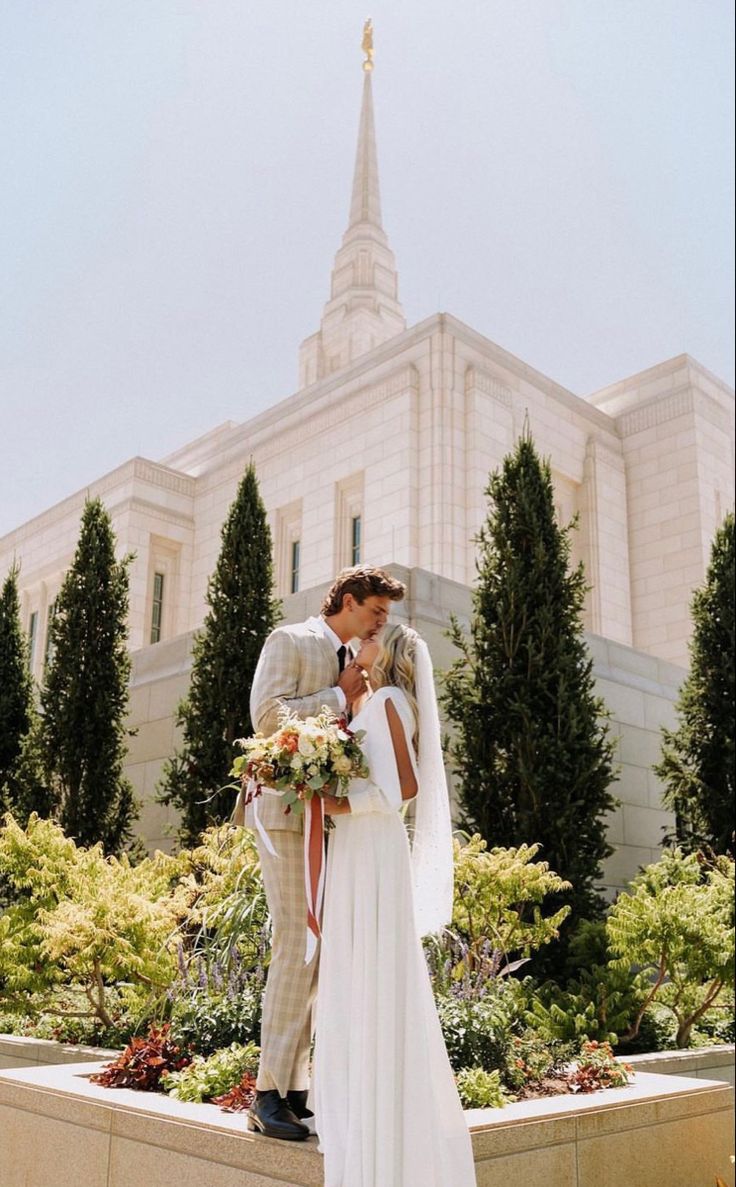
362,581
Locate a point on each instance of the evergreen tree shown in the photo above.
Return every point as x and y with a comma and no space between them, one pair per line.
532,755
242,612
697,763
85,698
16,692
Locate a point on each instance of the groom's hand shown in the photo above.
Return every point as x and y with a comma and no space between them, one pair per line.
352,682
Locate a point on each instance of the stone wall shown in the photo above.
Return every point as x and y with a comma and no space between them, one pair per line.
639,690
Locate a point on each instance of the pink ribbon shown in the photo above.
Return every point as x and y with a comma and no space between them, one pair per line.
314,870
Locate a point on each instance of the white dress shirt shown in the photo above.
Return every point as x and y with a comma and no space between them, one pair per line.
337,643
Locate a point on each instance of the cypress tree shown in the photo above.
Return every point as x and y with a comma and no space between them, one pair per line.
697,764
242,612
16,693
85,698
532,755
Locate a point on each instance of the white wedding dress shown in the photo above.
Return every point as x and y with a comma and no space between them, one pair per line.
386,1106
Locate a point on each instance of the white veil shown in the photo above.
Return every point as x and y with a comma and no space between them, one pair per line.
432,853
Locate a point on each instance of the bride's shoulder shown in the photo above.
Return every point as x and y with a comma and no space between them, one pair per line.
389,692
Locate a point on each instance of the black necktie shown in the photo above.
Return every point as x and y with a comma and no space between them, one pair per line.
341,653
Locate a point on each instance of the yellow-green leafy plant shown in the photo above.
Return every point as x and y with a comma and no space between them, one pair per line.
81,918
204,1079
677,924
497,910
479,1089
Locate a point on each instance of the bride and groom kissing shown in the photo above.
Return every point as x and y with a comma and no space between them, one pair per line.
382,1096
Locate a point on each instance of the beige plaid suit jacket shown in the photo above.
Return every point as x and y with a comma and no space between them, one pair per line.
298,668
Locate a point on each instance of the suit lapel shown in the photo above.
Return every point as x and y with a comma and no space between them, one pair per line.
325,645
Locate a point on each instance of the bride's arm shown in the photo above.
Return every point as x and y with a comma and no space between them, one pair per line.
367,796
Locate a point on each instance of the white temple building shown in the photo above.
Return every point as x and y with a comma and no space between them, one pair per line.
382,455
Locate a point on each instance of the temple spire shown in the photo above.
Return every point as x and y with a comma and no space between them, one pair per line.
364,309
365,206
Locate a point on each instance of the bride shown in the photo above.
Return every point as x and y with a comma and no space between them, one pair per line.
387,1109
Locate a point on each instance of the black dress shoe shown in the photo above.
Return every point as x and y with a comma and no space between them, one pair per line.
272,1115
297,1098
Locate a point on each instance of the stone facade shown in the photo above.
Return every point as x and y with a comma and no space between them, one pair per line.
382,456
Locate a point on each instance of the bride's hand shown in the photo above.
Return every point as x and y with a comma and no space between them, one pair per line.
334,806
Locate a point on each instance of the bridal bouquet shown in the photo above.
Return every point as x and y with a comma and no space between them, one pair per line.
304,757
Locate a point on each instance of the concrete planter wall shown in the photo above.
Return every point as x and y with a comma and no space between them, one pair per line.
58,1130
17,1051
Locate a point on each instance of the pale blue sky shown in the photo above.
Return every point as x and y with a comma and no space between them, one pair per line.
556,173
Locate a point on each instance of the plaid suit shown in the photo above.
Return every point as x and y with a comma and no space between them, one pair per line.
298,668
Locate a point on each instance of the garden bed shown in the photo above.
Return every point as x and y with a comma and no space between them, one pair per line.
59,1130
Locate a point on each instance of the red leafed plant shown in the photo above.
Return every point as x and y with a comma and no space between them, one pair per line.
143,1062
597,1067
239,1098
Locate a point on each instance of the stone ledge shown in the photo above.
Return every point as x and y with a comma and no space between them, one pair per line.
58,1130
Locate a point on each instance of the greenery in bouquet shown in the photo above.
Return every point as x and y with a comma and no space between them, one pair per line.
304,757
205,1078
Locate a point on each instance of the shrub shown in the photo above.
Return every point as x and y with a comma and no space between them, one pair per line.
204,1079
479,1089
83,919
599,1001
531,1062
207,1021
677,923
597,1068
478,1031
144,1062
497,914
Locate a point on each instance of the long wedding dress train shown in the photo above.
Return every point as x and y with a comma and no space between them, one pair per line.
386,1106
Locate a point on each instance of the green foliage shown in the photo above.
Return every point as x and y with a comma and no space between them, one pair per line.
228,913
600,999
83,918
206,1020
497,907
242,613
532,755
479,1089
677,924
21,778
531,1060
697,764
478,1032
203,1078
85,698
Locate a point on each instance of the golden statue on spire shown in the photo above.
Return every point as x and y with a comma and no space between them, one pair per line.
367,44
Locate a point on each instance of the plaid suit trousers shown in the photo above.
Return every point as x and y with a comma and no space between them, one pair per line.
291,988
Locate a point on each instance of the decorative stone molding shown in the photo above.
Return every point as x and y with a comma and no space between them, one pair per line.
275,438
656,412
481,381
163,477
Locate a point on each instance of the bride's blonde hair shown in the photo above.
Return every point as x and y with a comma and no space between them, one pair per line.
395,665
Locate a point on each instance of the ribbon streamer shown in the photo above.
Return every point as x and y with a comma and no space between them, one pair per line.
314,870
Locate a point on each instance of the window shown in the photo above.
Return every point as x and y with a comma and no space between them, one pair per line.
288,548
355,534
295,550
32,633
48,654
349,538
157,607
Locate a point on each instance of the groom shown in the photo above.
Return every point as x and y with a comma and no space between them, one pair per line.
301,668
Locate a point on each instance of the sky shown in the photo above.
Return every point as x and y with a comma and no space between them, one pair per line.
556,173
